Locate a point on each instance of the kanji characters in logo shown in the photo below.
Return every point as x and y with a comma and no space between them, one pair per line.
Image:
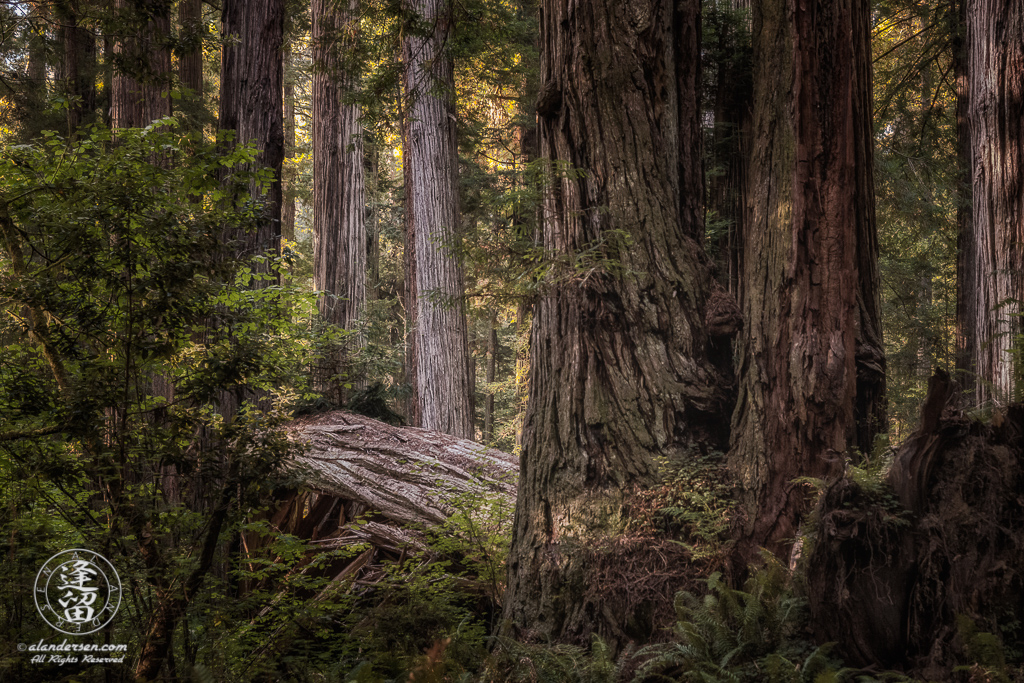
77,592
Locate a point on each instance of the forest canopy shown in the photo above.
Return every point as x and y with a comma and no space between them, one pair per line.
511,340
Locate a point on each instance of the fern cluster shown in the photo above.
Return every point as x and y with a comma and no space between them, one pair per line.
694,504
740,636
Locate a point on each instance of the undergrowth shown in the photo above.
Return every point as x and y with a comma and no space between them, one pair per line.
693,505
733,635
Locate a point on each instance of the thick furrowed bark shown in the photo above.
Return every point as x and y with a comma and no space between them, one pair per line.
992,260
251,103
441,347
619,373
810,304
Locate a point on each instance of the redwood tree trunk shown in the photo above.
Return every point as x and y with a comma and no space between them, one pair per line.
339,229
432,207
141,94
190,56
288,177
619,374
871,406
251,102
78,66
992,258
412,403
965,259
810,296
489,374
339,196
35,94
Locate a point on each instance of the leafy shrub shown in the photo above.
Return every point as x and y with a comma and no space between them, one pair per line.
116,279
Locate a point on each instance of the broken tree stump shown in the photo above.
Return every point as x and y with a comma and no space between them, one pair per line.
899,563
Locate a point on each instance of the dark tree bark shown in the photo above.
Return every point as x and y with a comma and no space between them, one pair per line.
441,348
991,267
871,407
140,92
811,304
78,63
251,102
619,374
889,583
489,374
190,56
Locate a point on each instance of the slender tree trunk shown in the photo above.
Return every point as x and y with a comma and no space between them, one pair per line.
432,207
140,92
34,99
37,57
339,196
371,153
327,162
871,405
413,412
992,264
966,334
492,363
810,293
78,63
108,81
288,177
190,61
251,103
353,254
619,374
473,331
190,56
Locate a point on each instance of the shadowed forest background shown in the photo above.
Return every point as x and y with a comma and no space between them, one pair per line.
555,340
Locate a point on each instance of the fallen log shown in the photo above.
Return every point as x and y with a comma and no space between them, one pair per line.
406,475
367,484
